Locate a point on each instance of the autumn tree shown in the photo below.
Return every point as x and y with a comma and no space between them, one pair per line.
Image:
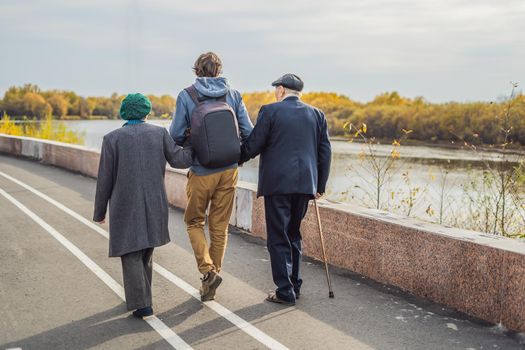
34,105
13,101
58,104
162,106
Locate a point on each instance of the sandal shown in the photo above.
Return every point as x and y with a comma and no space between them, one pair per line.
273,298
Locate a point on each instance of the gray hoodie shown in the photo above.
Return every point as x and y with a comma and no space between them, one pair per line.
210,87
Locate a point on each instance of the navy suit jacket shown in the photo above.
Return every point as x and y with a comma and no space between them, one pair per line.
292,139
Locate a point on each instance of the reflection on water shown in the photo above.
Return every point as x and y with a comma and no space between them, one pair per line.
421,169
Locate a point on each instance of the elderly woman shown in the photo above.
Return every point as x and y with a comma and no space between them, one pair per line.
131,178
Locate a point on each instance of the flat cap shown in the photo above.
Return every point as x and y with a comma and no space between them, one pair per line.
290,81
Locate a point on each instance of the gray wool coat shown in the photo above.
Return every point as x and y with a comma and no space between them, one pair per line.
131,178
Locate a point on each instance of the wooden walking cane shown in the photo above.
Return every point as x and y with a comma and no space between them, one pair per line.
330,291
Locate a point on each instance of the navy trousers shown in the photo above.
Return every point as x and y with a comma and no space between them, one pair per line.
284,214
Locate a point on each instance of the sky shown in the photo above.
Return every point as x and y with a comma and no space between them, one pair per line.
443,50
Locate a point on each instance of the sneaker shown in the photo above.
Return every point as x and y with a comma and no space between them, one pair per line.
210,282
144,312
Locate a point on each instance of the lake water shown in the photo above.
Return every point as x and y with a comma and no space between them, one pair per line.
416,186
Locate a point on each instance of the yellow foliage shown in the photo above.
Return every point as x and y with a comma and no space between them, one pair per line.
9,127
395,154
49,130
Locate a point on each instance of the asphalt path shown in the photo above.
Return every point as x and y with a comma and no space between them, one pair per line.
59,289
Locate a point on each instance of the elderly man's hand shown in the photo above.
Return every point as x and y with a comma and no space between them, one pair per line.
318,195
103,221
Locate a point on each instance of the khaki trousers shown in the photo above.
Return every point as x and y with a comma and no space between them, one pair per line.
216,191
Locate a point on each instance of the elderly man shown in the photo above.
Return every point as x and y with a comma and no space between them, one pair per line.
292,139
131,178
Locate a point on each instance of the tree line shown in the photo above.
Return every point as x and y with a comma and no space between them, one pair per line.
32,102
389,116
386,116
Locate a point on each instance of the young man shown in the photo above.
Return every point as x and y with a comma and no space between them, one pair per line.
292,139
131,178
209,187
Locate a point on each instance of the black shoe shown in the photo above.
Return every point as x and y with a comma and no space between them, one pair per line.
297,292
210,282
144,312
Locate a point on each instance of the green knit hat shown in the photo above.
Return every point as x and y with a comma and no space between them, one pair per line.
135,106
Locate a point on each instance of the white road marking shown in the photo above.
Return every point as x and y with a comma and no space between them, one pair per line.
164,331
242,324
237,321
452,326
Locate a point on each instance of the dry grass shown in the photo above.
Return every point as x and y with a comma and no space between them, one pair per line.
48,129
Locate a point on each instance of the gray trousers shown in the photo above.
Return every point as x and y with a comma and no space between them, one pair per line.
137,270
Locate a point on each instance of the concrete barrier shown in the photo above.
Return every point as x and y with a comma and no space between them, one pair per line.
479,274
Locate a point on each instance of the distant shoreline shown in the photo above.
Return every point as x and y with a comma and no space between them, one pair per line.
415,143
71,118
443,145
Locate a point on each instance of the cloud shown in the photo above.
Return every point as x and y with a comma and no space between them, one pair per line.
444,50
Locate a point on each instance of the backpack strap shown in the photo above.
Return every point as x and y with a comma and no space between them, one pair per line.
193,94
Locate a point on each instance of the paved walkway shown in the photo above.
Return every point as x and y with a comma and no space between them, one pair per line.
59,290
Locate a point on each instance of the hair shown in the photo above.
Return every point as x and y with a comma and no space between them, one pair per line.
291,92
208,65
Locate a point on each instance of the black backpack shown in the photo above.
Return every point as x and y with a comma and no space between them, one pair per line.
214,133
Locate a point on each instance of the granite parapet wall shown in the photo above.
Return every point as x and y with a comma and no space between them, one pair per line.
481,275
